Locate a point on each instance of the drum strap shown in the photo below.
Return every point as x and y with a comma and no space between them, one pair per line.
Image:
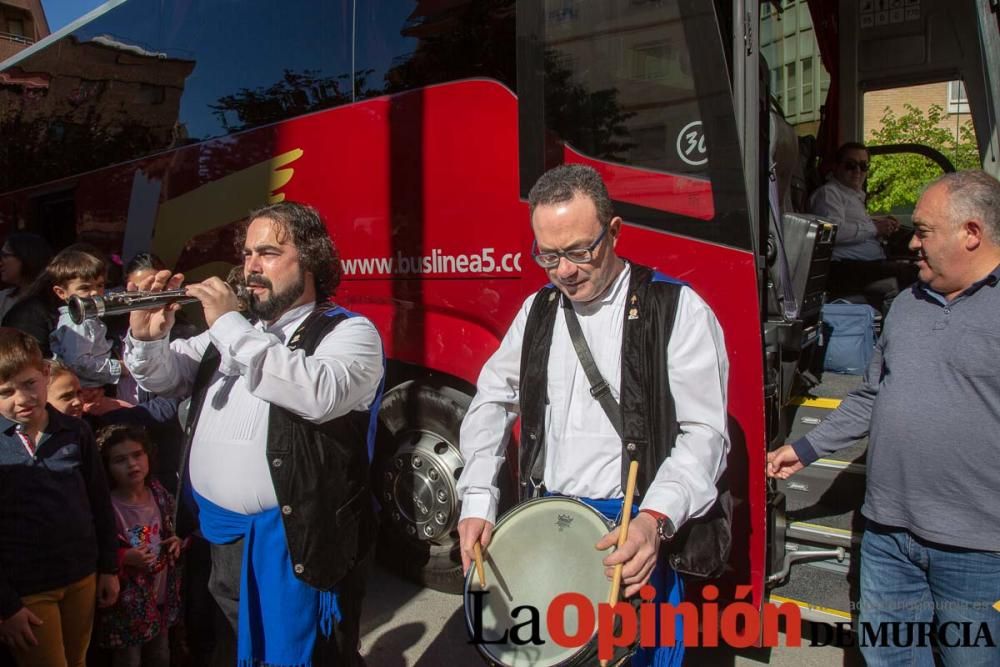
599,387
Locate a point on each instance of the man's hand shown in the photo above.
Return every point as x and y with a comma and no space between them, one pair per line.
470,531
107,589
217,298
885,226
16,630
638,554
154,324
783,462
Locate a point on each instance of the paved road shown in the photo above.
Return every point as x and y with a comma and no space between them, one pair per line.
406,626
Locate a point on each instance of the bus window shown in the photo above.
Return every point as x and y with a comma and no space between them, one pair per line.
933,117
401,47
628,89
799,81
148,76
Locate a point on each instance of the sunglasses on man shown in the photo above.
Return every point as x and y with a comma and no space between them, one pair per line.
851,165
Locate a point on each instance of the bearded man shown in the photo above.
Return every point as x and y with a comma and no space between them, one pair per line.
279,439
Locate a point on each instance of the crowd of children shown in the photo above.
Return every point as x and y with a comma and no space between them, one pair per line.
88,556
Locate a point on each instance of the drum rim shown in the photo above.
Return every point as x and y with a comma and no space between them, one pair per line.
471,574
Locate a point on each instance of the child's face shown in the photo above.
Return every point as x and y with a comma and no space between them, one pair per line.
79,287
22,397
128,464
64,394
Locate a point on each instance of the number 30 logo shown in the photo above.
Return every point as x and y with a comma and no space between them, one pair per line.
691,144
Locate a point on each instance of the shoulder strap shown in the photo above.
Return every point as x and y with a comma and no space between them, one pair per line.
316,326
599,387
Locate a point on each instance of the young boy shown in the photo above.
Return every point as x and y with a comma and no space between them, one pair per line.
84,347
57,527
64,389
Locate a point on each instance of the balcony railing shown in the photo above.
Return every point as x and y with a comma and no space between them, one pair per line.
17,39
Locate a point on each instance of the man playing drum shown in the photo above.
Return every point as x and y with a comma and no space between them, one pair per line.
659,349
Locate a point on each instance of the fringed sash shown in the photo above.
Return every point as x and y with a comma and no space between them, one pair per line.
279,614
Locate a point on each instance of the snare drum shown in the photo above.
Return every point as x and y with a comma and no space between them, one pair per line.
539,549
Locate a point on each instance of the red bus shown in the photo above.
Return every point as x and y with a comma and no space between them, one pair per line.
417,127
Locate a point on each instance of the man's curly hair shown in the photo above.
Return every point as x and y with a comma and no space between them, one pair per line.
317,253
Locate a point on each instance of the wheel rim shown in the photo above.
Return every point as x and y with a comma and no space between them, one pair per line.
420,490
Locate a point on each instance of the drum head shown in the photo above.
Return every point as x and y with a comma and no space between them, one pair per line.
539,550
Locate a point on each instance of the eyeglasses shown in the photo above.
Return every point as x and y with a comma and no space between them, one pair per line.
550,258
851,165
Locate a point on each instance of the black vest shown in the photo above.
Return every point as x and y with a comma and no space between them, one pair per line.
320,472
701,546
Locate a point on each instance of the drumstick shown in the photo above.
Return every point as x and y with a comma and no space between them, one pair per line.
477,553
616,578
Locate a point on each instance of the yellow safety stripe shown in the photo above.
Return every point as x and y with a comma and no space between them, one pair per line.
808,605
825,403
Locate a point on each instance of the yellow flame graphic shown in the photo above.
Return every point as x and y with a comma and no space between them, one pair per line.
220,202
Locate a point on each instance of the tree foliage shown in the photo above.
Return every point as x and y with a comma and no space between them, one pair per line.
895,181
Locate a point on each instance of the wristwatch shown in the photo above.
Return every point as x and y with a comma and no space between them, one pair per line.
664,526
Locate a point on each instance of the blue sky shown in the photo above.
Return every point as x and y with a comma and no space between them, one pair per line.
61,12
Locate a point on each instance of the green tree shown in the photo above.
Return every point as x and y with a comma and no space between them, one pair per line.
895,181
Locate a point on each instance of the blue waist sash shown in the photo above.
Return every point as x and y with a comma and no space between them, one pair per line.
279,614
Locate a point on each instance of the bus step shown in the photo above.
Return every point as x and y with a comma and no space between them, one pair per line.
837,486
809,533
823,593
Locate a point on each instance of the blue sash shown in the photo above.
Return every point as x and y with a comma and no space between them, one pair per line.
279,614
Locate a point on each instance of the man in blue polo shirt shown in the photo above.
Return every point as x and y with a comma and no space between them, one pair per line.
930,404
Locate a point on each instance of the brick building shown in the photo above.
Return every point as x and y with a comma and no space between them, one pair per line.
949,95
22,23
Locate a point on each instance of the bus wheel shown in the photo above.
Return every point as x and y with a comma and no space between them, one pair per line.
417,465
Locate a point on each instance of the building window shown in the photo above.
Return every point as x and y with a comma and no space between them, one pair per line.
791,87
958,102
807,88
651,62
15,27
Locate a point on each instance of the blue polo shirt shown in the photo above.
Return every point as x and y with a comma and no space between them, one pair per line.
56,521
930,404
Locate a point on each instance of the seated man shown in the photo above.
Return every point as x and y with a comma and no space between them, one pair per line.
859,264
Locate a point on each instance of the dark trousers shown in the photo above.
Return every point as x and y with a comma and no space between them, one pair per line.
340,649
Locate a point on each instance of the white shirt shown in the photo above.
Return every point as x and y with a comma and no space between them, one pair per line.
228,462
583,451
857,237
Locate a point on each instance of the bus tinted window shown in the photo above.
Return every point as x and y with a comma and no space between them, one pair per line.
640,91
150,75
403,45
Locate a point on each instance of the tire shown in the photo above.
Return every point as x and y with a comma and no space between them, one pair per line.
417,465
